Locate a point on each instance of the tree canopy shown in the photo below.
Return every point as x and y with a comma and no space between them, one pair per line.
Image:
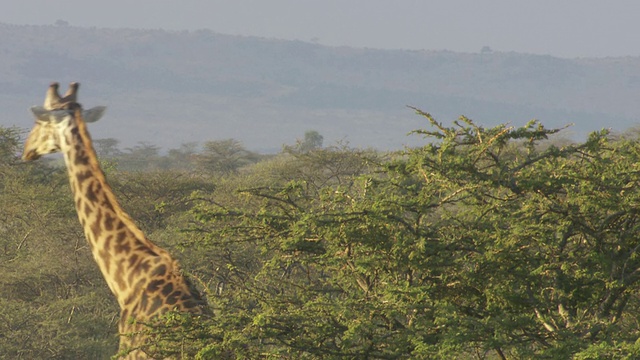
484,243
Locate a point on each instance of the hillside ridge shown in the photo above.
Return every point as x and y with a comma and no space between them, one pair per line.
172,87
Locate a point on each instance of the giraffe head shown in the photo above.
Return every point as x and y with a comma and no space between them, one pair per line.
57,116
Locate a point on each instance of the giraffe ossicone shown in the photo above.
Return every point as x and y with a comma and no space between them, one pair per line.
144,278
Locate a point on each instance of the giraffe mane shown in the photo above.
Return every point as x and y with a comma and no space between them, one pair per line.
99,174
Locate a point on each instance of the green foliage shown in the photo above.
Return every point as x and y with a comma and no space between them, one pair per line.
481,242
49,305
9,142
485,243
312,141
225,156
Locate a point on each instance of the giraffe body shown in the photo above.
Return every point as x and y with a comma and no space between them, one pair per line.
144,278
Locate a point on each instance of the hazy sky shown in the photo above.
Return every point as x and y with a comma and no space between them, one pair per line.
564,28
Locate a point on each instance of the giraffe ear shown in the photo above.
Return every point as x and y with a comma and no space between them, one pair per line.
44,115
39,112
93,114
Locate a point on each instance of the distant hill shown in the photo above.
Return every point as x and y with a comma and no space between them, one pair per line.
169,88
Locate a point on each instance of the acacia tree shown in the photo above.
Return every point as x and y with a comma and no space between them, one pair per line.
225,156
482,243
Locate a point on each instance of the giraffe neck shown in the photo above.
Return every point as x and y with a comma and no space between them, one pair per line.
117,244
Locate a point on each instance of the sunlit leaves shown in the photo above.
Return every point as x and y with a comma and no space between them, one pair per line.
499,242
485,240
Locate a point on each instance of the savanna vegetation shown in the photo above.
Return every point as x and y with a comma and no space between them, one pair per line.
484,243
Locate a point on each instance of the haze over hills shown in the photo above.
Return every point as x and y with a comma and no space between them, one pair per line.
169,88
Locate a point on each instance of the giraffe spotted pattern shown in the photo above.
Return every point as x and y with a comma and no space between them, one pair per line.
144,278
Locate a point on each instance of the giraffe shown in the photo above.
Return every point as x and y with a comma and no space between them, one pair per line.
144,278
